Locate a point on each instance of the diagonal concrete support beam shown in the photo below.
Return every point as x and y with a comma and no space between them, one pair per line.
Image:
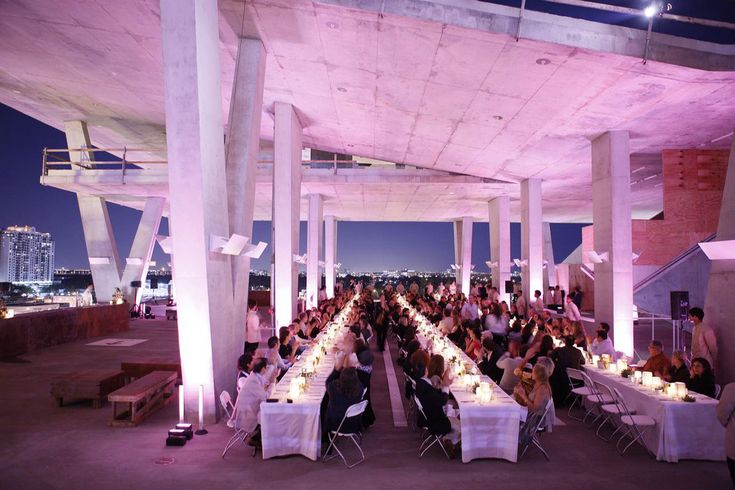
243,145
136,269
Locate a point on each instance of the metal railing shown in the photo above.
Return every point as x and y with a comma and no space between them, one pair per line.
84,158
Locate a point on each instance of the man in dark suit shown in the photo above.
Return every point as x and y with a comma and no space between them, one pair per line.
564,357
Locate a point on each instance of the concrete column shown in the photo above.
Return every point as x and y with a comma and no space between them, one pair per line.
550,275
104,260
330,254
500,243
531,237
136,264
314,241
719,308
286,209
463,253
612,220
457,228
208,336
243,145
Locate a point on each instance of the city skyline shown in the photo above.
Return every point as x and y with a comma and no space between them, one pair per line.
361,246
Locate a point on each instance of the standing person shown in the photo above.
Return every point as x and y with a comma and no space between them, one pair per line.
571,311
252,328
538,304
521,305
704,340
725,411
578,297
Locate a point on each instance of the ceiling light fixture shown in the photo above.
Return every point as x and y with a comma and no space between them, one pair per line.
543,61
498,118
332,25
341,89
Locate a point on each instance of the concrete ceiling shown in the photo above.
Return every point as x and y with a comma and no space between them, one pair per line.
416,85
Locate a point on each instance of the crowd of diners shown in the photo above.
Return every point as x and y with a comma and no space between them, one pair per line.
525,348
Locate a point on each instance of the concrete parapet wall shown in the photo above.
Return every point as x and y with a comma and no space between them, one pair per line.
32,331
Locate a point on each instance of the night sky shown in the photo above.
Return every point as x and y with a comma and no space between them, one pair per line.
361,246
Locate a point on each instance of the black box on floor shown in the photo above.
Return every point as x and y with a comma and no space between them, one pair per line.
188,431
176,440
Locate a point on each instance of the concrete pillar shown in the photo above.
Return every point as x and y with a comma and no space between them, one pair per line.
314,241
463,252
457,228
136,264
243,145
612,220
550,275
719,308
500,243
330,254
286,209
208,336
531,238
104,260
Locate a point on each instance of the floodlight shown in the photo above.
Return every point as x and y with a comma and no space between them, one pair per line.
650,11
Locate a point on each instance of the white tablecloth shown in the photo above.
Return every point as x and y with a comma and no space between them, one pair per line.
683,430
295,428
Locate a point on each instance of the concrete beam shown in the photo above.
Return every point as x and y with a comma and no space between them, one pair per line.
500,243
314,245
531,238
141,250
550,271
243,146
466,255
286,211
208,336
719,308
613,234
330,254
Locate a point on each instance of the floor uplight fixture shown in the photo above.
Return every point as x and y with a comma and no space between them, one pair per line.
201,431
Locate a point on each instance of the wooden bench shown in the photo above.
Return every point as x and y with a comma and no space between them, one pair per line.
138,369
142,397
87,385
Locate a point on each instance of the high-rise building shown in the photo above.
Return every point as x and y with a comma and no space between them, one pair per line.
26,255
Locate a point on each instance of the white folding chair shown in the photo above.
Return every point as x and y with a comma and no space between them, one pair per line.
718,390
612,413
411,411
530,429
636,426
430,438
595,400
226,401
577,392
241,436
352,411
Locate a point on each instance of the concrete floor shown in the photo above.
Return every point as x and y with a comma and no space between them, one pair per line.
43,446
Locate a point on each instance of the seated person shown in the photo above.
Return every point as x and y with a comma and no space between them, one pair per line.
274,359
487,364
539,396
286,350
702,377
343,390
364,374
433,401
603,345
509,362
473,347
658,363
244,368
679,371
438,376
246,415
564,357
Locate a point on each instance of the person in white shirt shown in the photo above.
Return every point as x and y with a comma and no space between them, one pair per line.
704,340
252,328
495,323
538,304
571,311
469,310
521,305
508,362
603,345
549,296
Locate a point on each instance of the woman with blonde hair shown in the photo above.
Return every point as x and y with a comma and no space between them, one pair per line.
540,395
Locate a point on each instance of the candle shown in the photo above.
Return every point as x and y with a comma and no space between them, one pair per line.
637,376
595,360
647,377
181,403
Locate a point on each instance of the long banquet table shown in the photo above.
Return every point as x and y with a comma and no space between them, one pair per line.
683,430
489,430
295,428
